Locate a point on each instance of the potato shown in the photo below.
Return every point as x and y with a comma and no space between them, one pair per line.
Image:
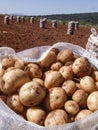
80,96
66,72
82,114
88,84
81,67
2,71
95,75
55,99
92,101
34,70
48,60
56,117
14,103
65,55
36,115
53,79
19,64
69,86
56,66
39,81
9,69
13,80
56,50
32,93
71,107
7,62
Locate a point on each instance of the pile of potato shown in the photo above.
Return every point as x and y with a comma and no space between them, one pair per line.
61,88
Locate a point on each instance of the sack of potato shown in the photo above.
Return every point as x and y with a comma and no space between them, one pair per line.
49,87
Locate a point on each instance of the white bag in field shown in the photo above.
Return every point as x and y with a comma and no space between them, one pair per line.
92,43
9,120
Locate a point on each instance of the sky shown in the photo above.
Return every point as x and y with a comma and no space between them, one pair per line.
47,7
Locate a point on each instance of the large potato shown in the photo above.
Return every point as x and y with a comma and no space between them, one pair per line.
32,93
53,79
13,80
55,99
81,67
36,115
56,117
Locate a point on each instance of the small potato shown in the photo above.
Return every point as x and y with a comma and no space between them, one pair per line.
88,84
33,70
66,72
55,99
56,50
56,117
95,75
39,81
19,64
81,67
56,66
7,62
53,79
82,114
36,115
14,103
48,60
69,86
80,96
92,101
71,107
65,55
32,93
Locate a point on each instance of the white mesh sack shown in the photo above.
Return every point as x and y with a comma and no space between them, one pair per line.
9,120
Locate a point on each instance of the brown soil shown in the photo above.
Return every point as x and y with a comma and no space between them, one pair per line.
21,36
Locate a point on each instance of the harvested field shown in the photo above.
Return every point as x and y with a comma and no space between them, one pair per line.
24,35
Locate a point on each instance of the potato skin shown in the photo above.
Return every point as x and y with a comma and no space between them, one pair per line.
7,62
71,107
65,55
36,115
56,117
13,80
82,114
66,72
88,84
53,79
33,70
55,99
81,67
69,86
14,103
92,101
80,96
32,93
